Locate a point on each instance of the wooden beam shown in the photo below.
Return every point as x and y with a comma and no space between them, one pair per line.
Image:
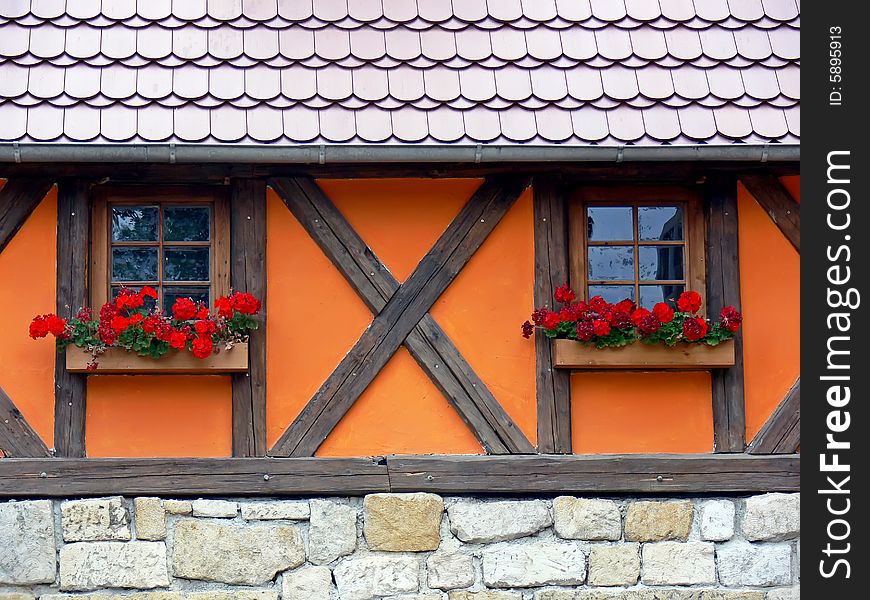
723,289
781,433
17,438
520,474
400,316
551,270
18,199
248,274
428,343
775,199
70,389
597,474
191,476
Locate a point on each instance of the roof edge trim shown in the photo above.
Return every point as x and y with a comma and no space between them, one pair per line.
333,154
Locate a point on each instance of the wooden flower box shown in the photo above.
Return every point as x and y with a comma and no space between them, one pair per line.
568,354
120,362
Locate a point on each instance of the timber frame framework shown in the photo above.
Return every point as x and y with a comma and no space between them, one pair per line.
401,317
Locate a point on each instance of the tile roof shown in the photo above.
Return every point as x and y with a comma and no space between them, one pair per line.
573,72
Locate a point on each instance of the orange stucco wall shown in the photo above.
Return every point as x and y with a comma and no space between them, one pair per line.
27,285
770,292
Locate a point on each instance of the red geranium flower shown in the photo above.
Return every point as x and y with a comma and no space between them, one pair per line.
148,291
56,325
128,299
38,328
689,302
184,309
601,327
730,318
597,303
649,324
85,315
663,312
204,328
150,324
245,303
564,293
224,307
120,323
202,347
585,330
622,320
552,320
625,306
638,316
177,339
694,329
202,312
528,330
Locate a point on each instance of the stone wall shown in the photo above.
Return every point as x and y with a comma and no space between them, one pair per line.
408,546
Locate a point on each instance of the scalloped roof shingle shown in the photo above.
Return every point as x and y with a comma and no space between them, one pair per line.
575,72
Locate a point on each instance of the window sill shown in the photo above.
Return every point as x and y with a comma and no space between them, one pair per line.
117,361
568,354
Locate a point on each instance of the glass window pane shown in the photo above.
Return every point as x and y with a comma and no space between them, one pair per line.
660,222
185,264
611,262
661,262
134,223
149,301
186,223
171,294
609,223
134,263
612,293
650,295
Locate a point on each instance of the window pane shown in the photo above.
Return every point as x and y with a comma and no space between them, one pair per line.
171,294
134,223
661,262
612,293
149,301
185,264
134,263
660,222
186,223
650,295
609,223
611,262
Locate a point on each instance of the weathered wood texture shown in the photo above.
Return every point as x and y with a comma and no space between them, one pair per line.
428,344
191,477
723,289
775,199
248,274
401,314
70,389
18,199
121,361
521,474
781,434
17,438
572,354
551,271
594,474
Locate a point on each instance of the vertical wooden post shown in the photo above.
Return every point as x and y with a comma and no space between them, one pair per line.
248,264
551,271
723,289
70,389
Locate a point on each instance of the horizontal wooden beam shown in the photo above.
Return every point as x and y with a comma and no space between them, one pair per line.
462,474
667,473
781,434
191,476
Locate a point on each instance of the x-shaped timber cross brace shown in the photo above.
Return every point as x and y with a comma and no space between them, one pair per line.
401,316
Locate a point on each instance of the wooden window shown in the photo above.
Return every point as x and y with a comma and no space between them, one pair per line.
175,239
642,243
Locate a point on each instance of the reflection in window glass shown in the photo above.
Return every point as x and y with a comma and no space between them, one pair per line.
186,264
134,223
660,263
611,262
660,222
650,295
610,223
186,223
134,263
612,293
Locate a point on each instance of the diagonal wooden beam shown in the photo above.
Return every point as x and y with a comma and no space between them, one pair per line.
428,343
723,289
18,199
551,271
17,438
775,199
400,315
781,433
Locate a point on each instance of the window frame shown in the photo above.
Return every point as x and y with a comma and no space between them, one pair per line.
694,229
103,196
